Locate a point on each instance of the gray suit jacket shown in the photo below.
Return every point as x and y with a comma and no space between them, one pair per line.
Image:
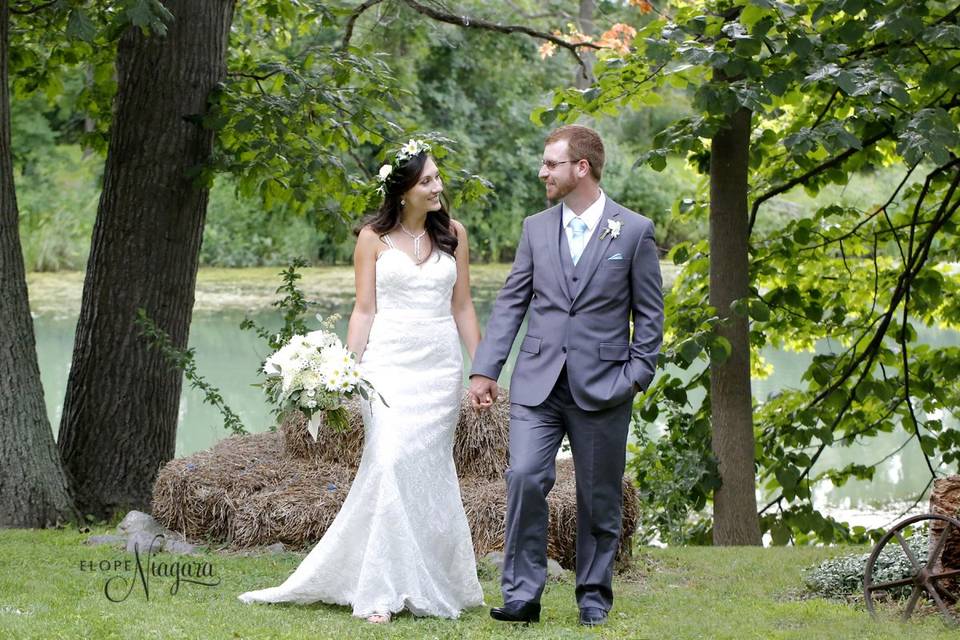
588,328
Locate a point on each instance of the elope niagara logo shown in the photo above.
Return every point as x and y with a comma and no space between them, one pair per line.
119,587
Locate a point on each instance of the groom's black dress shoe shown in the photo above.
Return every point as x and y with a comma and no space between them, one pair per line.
517,611
592,616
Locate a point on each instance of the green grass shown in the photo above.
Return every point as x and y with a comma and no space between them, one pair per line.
667,593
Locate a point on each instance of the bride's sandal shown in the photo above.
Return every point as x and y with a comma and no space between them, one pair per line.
379,618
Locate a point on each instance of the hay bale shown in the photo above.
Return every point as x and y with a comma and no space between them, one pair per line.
209,495
485,502
480,445
284,487
945,500
330,446
483,438
198,495
296,512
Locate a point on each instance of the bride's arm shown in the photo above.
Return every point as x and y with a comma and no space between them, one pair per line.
462,304
365,282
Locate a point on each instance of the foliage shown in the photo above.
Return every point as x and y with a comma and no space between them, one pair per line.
835,87
65,51
294,306
675,481
302,123
465,92
185,361
655,195
57,200
240,232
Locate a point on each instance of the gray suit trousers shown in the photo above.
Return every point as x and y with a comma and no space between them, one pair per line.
598,442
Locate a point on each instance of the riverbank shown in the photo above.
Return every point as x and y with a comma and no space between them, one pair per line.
254,288
52,586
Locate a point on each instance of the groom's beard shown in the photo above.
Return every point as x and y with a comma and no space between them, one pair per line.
557,191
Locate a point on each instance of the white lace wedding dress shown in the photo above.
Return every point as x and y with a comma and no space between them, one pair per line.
401,539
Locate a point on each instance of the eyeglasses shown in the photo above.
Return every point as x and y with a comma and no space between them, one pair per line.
553,164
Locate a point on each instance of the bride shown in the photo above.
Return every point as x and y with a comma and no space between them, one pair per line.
401,539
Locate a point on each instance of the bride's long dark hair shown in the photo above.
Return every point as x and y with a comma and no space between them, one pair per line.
387,217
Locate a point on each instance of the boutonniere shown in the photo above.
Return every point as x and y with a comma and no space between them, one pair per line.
613,228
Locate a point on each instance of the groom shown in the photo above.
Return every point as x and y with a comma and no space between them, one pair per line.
584,268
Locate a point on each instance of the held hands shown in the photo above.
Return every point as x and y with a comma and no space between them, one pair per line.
483,391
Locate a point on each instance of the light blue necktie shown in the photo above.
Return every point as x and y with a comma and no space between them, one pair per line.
578,238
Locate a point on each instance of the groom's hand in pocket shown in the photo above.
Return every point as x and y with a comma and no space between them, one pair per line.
483,392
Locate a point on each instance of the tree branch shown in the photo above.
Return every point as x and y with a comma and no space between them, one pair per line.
917,260
352,20
253,76
832,162
36,9
828,241
473,23
826,108
948,17
790,184
470,23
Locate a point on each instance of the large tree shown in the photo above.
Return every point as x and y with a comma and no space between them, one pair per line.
292,113
735,519
33,487
836,88
120,410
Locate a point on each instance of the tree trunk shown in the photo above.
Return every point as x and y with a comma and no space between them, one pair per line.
735,520
584,76
120,411
33,487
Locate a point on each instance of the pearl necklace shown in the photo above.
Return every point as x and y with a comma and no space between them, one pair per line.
416,242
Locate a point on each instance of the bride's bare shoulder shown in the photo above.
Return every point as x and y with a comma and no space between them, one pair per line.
458,229
368,236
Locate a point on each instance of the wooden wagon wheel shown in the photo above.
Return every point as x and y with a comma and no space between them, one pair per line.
928,574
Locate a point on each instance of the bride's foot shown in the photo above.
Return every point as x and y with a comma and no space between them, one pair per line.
379,618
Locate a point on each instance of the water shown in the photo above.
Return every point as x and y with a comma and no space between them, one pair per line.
229,357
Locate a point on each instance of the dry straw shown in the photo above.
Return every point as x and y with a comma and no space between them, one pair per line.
283,487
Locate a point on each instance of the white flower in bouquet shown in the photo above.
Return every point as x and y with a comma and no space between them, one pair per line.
321,339
315,374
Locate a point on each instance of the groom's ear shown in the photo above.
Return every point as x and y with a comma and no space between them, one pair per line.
583,168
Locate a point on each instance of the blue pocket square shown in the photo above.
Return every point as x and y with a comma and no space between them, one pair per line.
616,256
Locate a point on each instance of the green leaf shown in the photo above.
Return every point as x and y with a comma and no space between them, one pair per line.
689,350
751,15
679,253
799,45
788,476
676,394
543,116
780,534
759,310
813,312
740,307
80,26
649,412
720,349
928,444
778,82
820,375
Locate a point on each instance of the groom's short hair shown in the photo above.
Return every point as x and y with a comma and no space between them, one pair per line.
584,143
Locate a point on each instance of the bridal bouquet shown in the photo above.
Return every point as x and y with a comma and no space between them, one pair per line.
315,374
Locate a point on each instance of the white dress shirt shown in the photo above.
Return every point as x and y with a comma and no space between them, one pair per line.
591,215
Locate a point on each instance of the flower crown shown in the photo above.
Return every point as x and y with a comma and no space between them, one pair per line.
412,148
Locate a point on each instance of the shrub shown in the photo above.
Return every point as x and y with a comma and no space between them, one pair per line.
842,577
